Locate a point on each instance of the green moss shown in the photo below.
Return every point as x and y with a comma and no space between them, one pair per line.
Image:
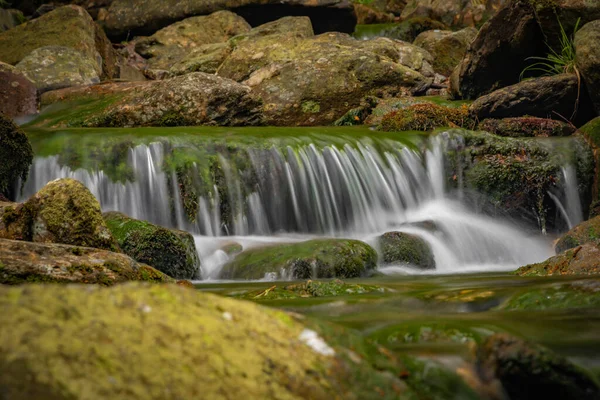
309,289
586,232
426,117
311,107
403,248
571,296
16,155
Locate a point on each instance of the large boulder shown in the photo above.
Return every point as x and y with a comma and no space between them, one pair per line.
586,232
447,47
18,94
546,97
453,12
170,44
143,17
527,370
319,258
588,59
406,249
168,250
26,262
57,67
68,26
16,155
63,211
580,260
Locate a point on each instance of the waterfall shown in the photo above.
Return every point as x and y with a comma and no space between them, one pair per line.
360,189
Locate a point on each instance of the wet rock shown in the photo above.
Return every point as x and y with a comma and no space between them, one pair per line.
544,97
171,44
588,59
319,258
407,30
580,260
527,370
456,13
64,211
407,249
26,262
526,127
447,48
9,18
16,155
18,95
426,117
67,26
56,67
170,251
586,232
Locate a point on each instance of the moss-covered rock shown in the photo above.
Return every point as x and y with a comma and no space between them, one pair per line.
586,232
16,155
455,13
170,44
319,258
168,250
404,248
206,58
426,117
26,262
18,94
588,59
527,370
57,67
63,211
583,294
581,260
526,127
447,48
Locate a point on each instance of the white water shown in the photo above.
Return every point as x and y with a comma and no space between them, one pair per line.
305,192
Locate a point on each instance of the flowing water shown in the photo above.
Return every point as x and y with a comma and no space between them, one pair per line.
291,190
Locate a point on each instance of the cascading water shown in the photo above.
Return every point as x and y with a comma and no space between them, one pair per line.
290,193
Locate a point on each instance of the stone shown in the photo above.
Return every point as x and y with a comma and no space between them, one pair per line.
18,94
405,249
27,262
170,251
580,260
446,47
366,14
16,155
455,13
586,232
527,370
56,67
172,43
588,60
64,211
526,127
318,258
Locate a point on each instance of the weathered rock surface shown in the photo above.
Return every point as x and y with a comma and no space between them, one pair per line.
27,262
18,95
447,48
319,258
16,155
526,127
545,97
453,12
170,251
57,67
171,44
407,249
527,370
586,232
588,59
63,211
580,260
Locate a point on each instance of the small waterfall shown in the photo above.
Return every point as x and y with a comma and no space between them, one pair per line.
570,208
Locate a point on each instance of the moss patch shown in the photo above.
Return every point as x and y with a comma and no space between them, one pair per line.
426,117
310,289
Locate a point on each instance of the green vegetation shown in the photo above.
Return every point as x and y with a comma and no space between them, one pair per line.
426,117
309,288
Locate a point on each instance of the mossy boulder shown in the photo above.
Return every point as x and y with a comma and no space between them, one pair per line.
170,44
318,258
206,58
16,155
588,59
18,94
57,67
447,47
581,260
586,232
407,249
592,131
170,251
526,127
63,211
527,370
67,26
27,262
426,117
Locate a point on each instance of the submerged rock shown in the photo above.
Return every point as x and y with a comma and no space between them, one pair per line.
16,155
18,94
580,260
319,258
586,232
404,248
447,48
527,370
309,288
63,211
588,59
26,262
170,251
526,127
